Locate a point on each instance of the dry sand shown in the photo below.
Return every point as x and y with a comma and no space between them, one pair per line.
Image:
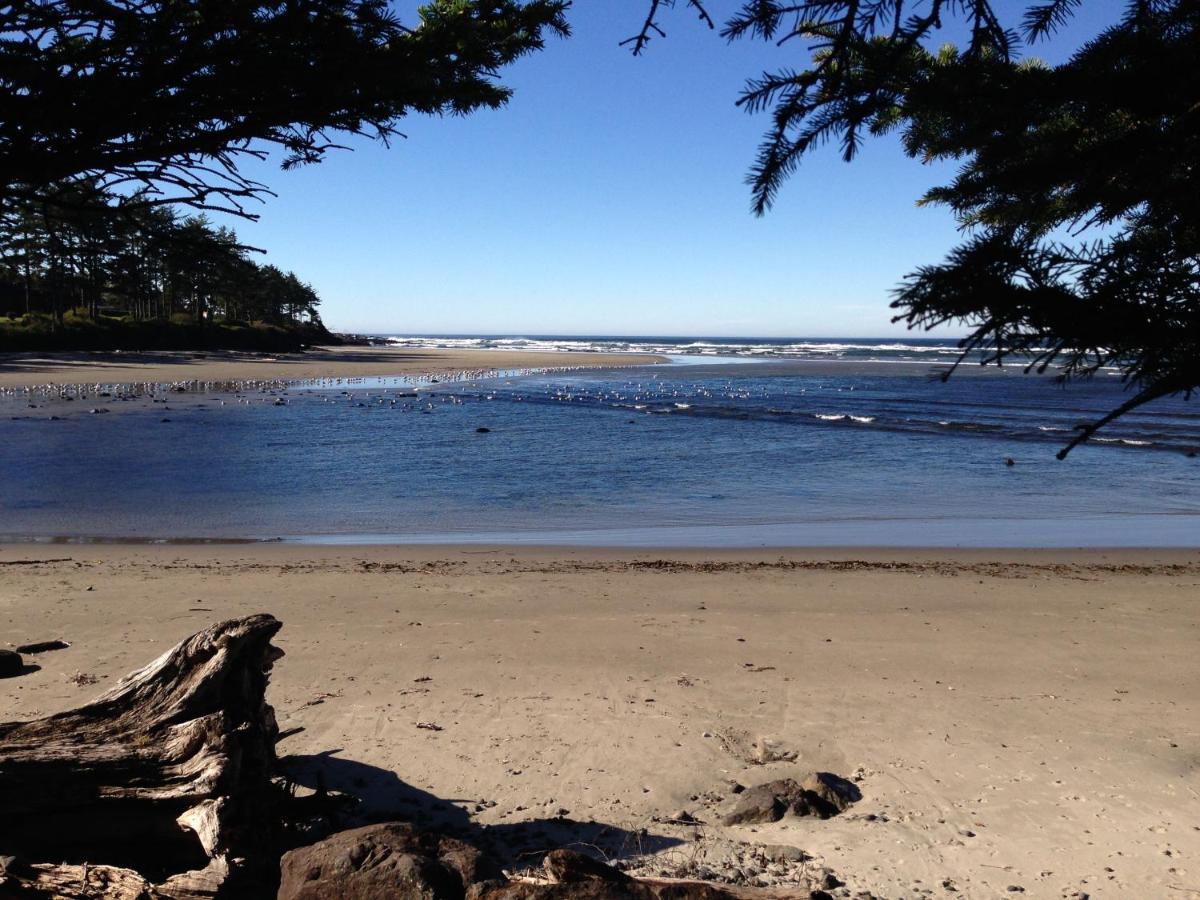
1016,720
22,370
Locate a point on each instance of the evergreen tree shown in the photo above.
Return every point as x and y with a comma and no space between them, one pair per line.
166,97
145,265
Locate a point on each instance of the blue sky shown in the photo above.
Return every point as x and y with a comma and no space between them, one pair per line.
607,198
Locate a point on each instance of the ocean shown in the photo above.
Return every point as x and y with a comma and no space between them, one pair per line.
735,443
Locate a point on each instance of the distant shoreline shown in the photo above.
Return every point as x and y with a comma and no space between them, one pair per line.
29,370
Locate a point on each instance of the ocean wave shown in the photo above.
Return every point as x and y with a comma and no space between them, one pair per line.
782,348
713,397
836,417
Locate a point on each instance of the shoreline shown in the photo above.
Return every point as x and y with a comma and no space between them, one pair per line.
1019,718
846,558
222,370
1158,533
426,549
63,370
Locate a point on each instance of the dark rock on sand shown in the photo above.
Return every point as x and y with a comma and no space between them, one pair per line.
393,861
830,794
820,794
763,803
10,664
43,646
831,881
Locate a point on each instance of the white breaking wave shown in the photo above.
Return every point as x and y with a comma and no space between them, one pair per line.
827,417
799,349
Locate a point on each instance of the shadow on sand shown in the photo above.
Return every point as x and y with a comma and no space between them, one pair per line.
26,669
380,796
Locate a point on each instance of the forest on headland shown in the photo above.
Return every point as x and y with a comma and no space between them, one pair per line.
84,273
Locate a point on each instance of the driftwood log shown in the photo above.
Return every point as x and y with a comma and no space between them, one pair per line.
164,779
74,882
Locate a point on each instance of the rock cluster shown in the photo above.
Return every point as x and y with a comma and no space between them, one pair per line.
396,862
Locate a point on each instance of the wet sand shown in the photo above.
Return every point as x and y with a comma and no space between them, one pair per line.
164,367
1015,719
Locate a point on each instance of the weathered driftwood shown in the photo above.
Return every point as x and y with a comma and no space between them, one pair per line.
168,774
74,882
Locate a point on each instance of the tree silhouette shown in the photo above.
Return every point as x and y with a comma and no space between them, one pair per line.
158,101
1078,187
113,112
148,264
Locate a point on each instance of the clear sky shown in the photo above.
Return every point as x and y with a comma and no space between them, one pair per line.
607,198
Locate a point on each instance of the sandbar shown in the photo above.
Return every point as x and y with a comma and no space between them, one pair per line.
168,367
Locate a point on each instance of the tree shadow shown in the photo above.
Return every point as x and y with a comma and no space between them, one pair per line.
374,795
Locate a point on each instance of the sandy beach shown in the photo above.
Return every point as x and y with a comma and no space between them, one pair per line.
1014,720
23,370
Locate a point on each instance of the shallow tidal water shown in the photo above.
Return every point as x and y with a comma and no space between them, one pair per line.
777,453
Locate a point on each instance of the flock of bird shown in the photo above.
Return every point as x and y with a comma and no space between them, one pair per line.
423,393
276,392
